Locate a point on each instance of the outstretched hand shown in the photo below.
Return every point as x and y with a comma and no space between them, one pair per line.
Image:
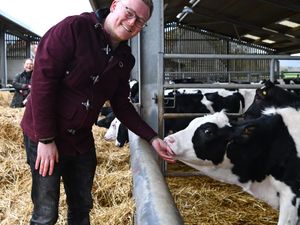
163,150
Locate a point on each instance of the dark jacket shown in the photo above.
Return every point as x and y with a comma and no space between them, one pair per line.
74,74
21,84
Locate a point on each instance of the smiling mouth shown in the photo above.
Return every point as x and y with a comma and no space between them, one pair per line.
126,28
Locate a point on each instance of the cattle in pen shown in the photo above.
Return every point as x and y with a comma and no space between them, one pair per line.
260,155
271,95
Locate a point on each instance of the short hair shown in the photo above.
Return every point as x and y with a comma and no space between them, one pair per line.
28,59
149,3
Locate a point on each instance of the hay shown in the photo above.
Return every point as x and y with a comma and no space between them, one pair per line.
112,189
204,201
5,98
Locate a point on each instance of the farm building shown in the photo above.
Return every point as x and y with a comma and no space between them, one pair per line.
17,43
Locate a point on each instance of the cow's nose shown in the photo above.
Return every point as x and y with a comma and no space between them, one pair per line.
170,139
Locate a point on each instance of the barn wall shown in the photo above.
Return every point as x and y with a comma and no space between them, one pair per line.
13,68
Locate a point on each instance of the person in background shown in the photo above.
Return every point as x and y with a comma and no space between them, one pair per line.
80,63
22,85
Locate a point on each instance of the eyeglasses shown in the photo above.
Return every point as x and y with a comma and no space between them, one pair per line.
130,13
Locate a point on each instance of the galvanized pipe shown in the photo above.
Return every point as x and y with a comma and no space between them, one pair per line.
231,56
226,86
154,203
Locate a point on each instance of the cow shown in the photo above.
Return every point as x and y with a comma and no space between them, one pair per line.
201,101
117,132
233,103
261,155
270,95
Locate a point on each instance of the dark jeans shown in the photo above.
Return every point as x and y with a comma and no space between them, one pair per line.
77,173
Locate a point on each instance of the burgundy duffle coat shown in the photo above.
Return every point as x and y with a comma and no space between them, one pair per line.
75,72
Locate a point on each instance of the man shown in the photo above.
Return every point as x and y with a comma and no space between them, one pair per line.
22,85
80,63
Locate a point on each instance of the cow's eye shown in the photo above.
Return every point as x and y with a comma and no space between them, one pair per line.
207,131
264,93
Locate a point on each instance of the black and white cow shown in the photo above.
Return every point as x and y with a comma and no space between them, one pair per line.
201,101
271,95
260,155
231,103
117,132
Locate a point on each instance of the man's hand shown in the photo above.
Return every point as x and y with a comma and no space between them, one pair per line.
163,150
47,155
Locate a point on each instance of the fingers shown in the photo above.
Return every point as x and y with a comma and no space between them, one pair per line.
37,162
163,150
44,168
51,167
165,154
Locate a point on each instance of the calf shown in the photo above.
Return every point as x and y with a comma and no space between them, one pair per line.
117,132
233,103
260,155
202,101
270,95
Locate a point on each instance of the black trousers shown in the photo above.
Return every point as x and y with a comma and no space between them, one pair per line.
77,173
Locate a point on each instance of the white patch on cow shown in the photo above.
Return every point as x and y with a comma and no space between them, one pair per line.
112,132
264,190
291,118
248,95
132,82
221,92
208,104
183,91
288,212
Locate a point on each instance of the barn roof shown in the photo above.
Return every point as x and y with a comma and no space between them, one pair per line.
261,19
15,27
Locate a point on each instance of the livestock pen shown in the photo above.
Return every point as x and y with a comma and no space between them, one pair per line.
200,200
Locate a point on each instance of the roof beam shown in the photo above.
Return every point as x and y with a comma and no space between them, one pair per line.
284,4
208,13
287,50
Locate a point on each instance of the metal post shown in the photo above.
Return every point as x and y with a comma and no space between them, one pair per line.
154,203
3,61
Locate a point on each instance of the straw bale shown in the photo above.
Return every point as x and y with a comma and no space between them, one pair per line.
5,98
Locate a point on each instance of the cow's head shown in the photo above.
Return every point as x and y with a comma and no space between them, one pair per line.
265,96
202,142
117,132
111,133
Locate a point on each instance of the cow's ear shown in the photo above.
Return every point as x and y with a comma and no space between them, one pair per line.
248,131
269,84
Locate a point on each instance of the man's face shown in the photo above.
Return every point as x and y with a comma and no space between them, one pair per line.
127,18
28,65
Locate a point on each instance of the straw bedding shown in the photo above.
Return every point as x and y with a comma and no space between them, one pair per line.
200,200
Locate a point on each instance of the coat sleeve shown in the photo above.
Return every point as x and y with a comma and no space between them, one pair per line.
54,52
17,84
126,113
